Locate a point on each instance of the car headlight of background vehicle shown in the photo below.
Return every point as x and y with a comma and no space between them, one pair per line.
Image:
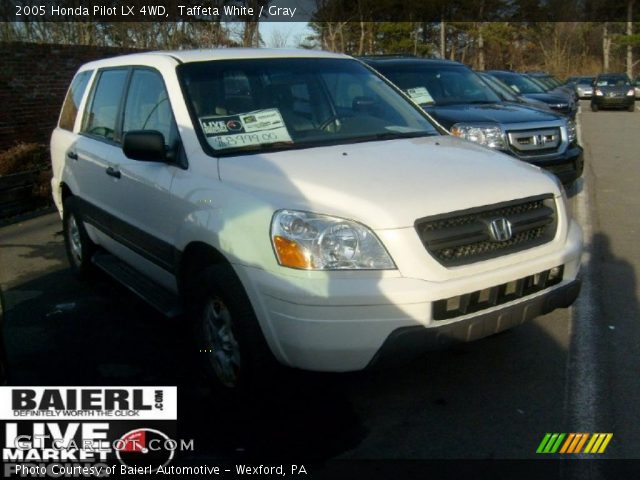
320,242
572,134
487,135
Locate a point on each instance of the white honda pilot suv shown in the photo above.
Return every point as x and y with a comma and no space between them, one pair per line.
298,207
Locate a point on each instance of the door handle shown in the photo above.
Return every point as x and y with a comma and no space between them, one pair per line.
72,155
113,172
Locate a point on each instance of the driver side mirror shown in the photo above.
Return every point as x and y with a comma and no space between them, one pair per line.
144,145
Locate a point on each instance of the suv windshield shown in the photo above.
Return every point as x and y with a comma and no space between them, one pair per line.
500,88
519,83
612,81
439,84
256,105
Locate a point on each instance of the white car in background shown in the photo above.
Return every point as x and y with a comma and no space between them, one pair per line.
301,208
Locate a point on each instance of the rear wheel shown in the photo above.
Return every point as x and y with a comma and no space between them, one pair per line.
230,343
77,243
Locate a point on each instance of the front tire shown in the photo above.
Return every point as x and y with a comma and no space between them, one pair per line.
631,108
594,107
78,245
229,341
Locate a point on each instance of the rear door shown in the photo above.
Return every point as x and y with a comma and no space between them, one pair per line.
64,137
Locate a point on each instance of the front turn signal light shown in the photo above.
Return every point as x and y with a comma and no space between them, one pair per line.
290,254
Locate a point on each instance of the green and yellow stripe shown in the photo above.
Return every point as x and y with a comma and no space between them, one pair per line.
574,443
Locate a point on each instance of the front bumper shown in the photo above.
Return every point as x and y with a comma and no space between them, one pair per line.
613,102
567,166
339,321
409,342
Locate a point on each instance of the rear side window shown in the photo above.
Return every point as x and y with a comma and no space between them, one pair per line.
148,107
101,116
73,99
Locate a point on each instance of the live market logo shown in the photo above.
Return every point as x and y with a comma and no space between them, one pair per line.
87,427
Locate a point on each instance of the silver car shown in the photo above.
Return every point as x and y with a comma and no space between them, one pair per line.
584,87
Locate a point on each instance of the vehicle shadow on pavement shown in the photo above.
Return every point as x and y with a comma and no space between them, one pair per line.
75,333
616,336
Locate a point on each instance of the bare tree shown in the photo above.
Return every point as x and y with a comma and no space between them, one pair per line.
278,38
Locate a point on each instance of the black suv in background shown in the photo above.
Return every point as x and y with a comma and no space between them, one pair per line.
550,84
461,102
523,85
613,90
506,94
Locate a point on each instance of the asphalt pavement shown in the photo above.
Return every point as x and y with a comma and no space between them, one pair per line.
573,370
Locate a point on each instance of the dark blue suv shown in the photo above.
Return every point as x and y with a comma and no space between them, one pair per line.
462,103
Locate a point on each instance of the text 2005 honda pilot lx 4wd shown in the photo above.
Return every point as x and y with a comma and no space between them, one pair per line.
300,207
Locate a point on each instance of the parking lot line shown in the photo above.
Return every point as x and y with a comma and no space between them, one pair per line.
581,395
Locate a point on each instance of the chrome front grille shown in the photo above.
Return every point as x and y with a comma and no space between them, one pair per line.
535,141
468,236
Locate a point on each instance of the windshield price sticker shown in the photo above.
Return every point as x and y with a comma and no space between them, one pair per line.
252,128
420,95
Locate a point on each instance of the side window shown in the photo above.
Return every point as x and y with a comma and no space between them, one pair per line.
148,107
72,100
101,117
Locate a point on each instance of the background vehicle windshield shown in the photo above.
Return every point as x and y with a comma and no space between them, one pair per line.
265,104
612,81
439,84
545,87
500,88
519,83
585,81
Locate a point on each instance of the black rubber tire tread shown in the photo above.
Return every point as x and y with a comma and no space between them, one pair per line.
258,365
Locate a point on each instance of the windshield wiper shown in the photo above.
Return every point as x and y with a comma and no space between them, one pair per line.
390,136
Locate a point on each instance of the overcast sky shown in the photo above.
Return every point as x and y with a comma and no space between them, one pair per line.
293,31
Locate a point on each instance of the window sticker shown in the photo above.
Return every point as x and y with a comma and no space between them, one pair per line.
420,95
245,129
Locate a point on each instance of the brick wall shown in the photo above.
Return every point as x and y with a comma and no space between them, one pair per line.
33,82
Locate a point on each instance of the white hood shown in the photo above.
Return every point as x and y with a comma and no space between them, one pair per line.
387,184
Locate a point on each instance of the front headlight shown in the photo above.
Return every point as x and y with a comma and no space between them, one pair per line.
311,241
631,92
572,134
487,135
598,92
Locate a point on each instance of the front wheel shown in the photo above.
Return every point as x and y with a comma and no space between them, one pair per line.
77,243
594,107
631,108
230,343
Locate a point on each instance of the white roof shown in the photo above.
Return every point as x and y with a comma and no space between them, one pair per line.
202,55
231,53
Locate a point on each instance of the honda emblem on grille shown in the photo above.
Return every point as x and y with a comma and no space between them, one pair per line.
500,229
539,140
